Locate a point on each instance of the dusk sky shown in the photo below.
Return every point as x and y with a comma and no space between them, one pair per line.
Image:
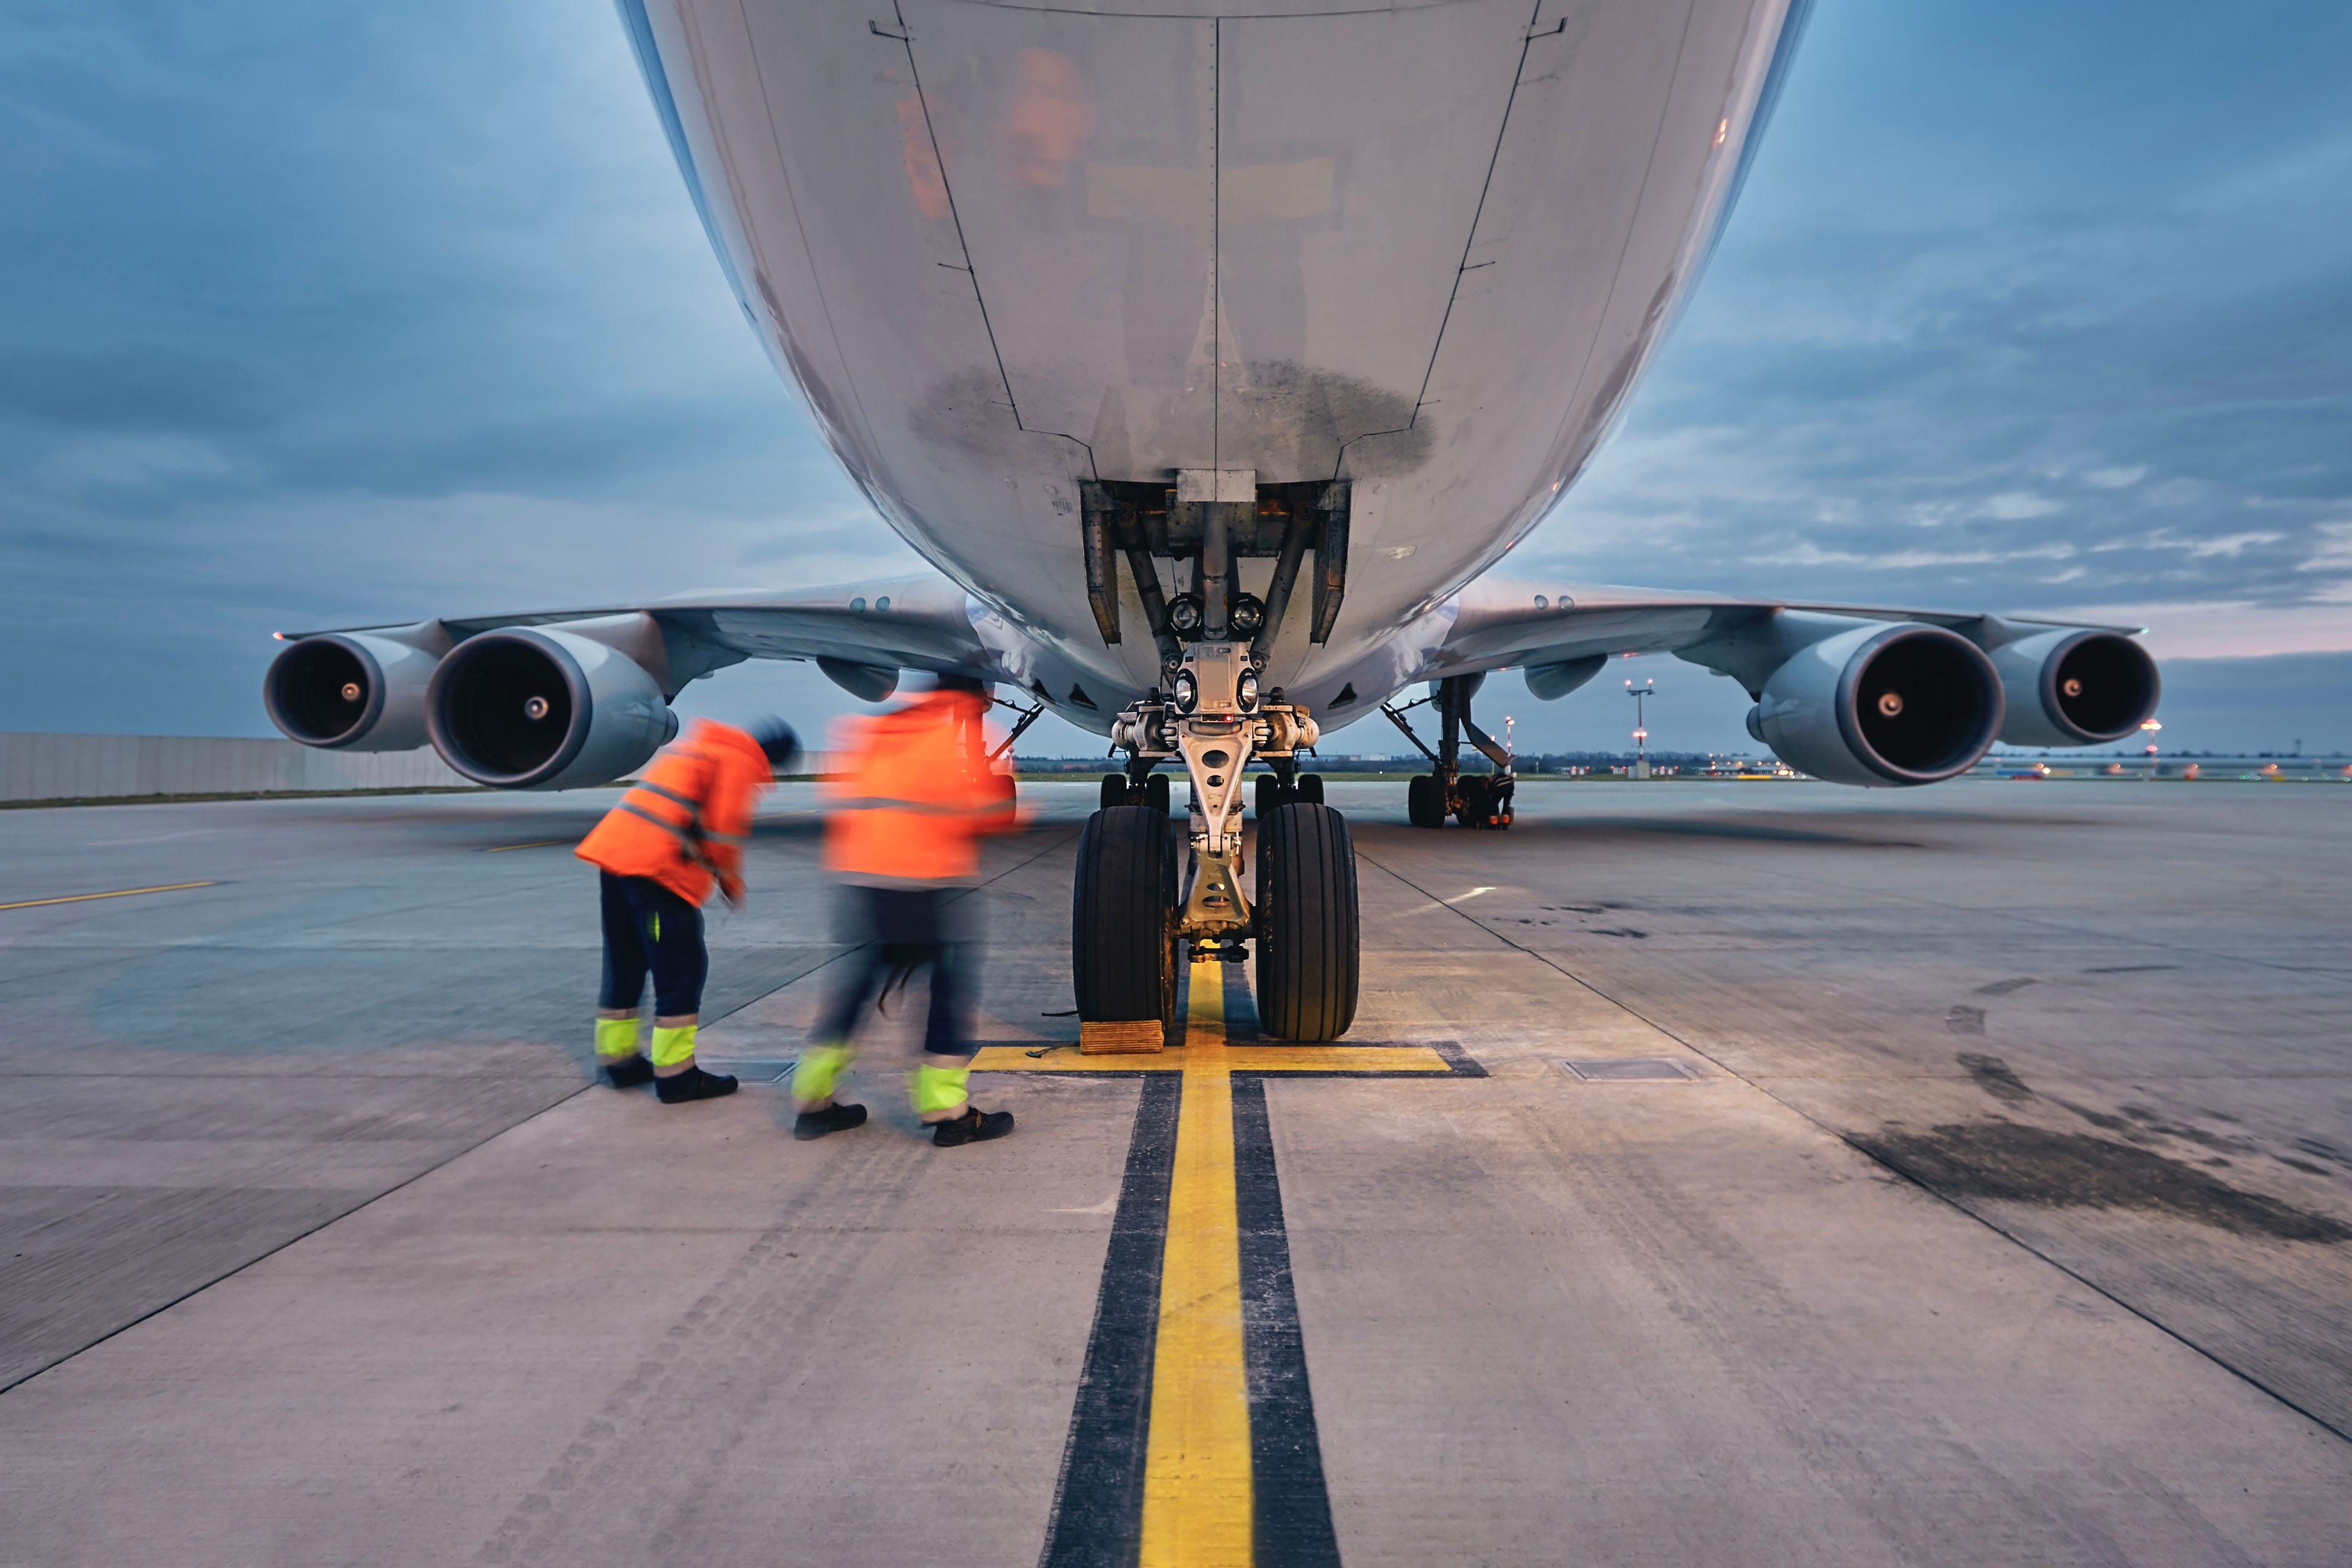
320,315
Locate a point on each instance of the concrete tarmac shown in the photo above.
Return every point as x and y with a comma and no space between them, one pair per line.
1958,1175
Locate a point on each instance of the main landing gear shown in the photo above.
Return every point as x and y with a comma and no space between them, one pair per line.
1474,800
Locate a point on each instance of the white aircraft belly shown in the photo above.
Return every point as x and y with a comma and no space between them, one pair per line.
1002,250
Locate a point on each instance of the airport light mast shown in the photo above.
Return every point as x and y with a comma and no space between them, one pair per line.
2150,727
1648,689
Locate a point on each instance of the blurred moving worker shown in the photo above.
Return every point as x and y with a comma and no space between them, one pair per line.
912,796
679,829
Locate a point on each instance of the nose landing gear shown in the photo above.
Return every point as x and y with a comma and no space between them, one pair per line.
1212,717
1129,919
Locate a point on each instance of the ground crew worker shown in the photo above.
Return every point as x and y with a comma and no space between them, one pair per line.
912,798
681,828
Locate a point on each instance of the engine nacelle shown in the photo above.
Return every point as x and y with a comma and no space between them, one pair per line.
353,691
1550,682
867,682
2075,688
537,708
1900,704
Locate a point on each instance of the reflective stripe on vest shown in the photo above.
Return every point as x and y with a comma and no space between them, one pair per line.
690,832
687,801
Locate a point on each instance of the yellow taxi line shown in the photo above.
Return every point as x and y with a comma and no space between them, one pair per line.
1232,1058
118,893
1196,1474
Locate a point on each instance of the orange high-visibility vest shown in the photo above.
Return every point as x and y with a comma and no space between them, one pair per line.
686,820
915,794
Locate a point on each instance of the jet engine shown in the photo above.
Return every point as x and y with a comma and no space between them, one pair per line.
351,692
2075,687
537,708
1881,704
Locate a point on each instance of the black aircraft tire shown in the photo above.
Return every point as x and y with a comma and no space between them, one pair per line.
1270,794
1114,790
1155,792
1474,801
1424,803
1309,942
1310,789
1123,917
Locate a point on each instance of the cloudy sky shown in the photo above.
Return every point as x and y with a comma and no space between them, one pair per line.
326,314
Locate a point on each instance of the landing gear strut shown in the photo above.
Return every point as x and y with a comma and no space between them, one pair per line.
1474,800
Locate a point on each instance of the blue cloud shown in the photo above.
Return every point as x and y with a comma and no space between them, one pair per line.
2025,309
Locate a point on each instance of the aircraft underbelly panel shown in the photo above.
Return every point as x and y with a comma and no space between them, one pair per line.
1080,152
1352,152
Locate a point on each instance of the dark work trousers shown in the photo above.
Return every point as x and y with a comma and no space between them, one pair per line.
904,930
649,928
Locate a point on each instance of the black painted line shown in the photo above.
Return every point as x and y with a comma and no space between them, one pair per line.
1290,1504
1242,1026
1097,1514
1463,1064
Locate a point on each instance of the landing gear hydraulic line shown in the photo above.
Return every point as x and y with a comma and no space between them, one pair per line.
1474,800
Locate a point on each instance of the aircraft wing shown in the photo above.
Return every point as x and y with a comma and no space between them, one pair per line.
886,625
553,699
1557,632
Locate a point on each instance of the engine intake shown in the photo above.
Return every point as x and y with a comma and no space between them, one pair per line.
2075,688
532,708
1902,704
350,691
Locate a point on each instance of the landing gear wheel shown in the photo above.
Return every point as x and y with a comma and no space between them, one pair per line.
1473,813
1310,789
1270,794
1424,803
1308,938
1123,917
1114,790
1155,792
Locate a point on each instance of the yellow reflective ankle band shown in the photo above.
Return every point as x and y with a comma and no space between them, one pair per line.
939,1089
616,1037
672,1047
820,1071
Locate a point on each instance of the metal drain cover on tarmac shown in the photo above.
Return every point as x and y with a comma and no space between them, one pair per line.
1612,1070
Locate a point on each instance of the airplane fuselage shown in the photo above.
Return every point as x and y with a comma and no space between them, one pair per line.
1001,251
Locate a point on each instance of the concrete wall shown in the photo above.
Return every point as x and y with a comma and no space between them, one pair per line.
82,767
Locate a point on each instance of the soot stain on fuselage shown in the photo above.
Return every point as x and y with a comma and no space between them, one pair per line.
2010,1161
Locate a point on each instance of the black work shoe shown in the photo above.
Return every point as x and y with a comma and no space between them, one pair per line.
810,1124
692,1084
628,1072
974,1126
